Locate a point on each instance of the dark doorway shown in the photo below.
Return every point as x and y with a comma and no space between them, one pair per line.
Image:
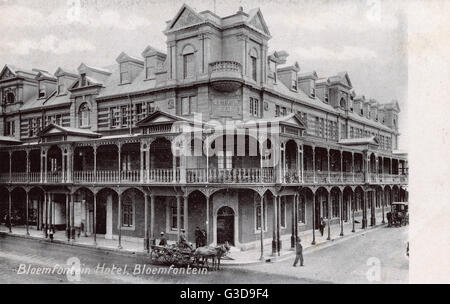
100,220
225,225
316,214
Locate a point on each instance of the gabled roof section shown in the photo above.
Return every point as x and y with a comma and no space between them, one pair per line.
53,129
150,51
256,20
7,72
124,57
44,75
185,17
160,117
341,78
61,72
359,141
292,119
83,68
308,75
392,105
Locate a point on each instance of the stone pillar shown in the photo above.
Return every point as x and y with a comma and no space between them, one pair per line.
314,163
67,218
274,232
27,205
72,216
9,211
383,201
329,215
152,217
293,222
119,152
10,166
94,222
279,225
178,217
341,211
94,148
329,165
45,214
353,166
364,218
119,218
373,204
207,219
146,239
185,215
314,219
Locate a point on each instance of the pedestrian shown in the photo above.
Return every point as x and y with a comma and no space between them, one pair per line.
183,240
321,225
50,232
198,237
389,218
298,253
203,237
162,239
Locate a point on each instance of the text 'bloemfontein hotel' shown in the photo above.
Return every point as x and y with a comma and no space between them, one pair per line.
198,135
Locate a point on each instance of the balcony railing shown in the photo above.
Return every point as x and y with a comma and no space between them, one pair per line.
200,175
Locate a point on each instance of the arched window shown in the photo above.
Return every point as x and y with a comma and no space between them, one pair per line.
10,98
188,61
253,63
342,103
83,115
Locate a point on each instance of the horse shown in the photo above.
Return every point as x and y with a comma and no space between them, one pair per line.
214,253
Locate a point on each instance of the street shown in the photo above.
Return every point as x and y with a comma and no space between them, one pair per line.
376,256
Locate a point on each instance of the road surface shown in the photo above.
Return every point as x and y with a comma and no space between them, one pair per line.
377,256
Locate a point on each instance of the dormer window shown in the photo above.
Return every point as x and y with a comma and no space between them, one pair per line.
83,80
342,103
149,68
124,74
61,87
41,91
313,92
326,97
294,81
361,112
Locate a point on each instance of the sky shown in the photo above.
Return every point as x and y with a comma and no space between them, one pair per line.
366,38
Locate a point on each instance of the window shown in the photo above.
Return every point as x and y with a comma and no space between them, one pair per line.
283,212
124,77
38,125
277,110
127,214
187,105
294,81
313,92
41,91
151,107
326,96
58,119
361,112
188,65
149,68
138,111
343,131
114,117
258,216
30,128
225,159
83,115
253,67
283,111
173,222
61,88
124,115
254,108
342,103
9,128
83,80
302,210
352,132
10,97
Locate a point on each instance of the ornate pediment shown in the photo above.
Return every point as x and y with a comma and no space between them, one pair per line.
256,20
186,17
6,73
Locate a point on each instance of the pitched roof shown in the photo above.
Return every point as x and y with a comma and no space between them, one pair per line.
359,141
67,130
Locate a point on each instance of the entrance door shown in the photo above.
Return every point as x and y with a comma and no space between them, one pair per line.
225,225
100,220
317,214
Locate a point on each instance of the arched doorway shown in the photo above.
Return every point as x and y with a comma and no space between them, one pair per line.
225,225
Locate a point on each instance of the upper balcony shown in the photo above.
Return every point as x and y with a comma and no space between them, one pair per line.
226,75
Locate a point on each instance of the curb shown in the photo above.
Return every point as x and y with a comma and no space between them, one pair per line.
268,259
317,246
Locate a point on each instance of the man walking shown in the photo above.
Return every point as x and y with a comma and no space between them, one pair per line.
321,225
298,253
198,237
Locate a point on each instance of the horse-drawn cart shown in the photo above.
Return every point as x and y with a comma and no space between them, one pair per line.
181,255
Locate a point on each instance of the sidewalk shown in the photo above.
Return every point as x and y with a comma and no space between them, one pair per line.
251,257
237,257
